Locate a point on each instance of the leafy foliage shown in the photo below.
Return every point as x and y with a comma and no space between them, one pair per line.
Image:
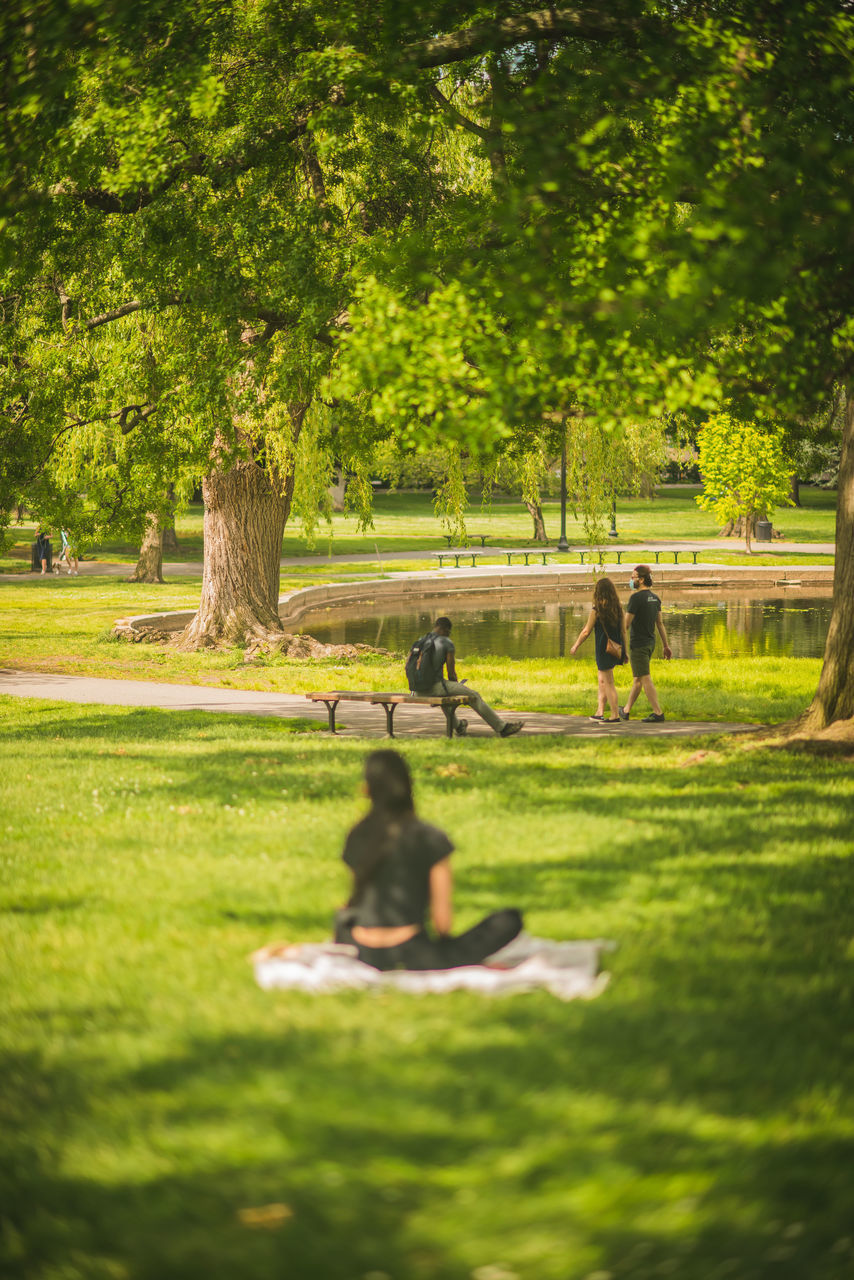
743,466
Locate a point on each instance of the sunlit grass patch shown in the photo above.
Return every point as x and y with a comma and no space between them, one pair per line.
163,1116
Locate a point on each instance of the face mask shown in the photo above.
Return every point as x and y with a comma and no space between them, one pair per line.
632,584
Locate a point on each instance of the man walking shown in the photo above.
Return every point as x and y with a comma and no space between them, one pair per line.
443,655
643,619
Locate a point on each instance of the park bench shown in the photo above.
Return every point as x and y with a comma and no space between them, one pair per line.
457,555
449,537
531,551
591,554
602,552
461,554
390,701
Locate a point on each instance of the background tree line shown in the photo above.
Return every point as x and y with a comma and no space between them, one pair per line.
233,229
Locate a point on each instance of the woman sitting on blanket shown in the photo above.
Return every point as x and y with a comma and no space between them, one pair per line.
401,866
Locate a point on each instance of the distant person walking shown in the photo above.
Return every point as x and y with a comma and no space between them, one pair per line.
606,621
67,554
643,619
442,654
43,549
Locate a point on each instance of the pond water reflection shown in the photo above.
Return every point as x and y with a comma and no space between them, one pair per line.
699,624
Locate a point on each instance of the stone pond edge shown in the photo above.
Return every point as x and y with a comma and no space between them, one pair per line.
437,584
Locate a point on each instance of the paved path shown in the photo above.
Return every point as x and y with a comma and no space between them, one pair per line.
357,720
636,551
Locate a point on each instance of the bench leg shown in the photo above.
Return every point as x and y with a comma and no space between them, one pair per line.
581,555
619,557
388,708
675,557
657,554
695,554
330,707
449,720
508,558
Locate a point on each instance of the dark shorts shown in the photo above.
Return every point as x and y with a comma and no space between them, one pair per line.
640,659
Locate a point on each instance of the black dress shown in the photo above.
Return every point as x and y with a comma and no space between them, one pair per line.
604,661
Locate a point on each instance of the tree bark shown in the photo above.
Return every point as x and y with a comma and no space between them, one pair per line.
245,515
743,527
149,566
834,698
337,491
795,491
536,512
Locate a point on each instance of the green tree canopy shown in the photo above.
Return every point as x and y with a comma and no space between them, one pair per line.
744,470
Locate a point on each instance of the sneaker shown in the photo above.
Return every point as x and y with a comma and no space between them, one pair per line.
511,727
461,728
623,713
595,717
611,720
654,717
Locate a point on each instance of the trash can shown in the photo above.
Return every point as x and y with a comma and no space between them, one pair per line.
763,530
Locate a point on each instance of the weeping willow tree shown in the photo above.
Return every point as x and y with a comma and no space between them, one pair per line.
333,440
602,464
113,460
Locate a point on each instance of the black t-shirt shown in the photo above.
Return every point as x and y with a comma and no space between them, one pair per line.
644,606
398,891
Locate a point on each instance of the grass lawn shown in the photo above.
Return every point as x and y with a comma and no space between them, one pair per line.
693,1122
63,625
406,522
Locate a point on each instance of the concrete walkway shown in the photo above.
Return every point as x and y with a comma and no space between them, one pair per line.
356,719
636,552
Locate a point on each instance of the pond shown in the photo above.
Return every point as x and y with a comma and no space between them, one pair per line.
710,624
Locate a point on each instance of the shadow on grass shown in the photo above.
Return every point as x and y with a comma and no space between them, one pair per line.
690,1123
546,1132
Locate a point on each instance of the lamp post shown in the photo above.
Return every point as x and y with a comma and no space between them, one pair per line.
612,532
562,544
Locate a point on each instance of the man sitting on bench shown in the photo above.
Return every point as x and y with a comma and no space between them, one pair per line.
442,655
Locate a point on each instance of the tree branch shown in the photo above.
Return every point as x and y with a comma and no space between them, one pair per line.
457,115
127,308
542,24
200,165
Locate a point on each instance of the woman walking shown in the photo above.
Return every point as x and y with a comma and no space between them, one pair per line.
401,871
608,625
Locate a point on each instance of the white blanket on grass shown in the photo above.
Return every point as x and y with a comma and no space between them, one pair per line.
569,970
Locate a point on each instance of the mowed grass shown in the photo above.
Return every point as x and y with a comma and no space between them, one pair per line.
406,521
64,626
693,1121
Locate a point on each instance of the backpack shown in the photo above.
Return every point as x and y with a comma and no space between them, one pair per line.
420,665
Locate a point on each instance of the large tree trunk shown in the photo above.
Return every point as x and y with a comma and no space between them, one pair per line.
834,699
743,527
536,512
338,491
245,514
149,566
795,491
